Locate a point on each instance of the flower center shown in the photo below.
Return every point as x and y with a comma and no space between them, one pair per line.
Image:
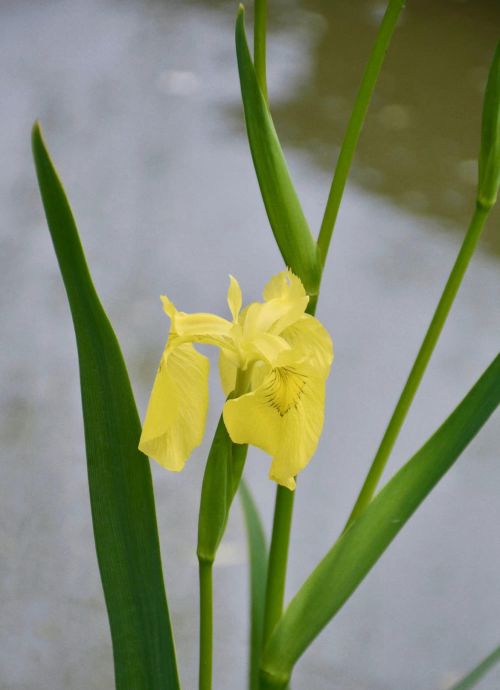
285,389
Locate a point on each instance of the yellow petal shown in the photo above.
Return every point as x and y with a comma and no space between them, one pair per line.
234,297
198,328
177,410
273,316
283,417
264,347
284,285
227,371
286,301
311,338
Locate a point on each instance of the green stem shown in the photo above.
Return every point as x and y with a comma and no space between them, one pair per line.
259,44
205,668
472,678
283,511
278,557
268,682
278,552
355,124
421,362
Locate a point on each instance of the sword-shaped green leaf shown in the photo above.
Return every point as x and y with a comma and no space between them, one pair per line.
284,211
121,492
358,549
257,556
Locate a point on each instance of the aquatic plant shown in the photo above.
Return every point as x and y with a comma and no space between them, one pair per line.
275,358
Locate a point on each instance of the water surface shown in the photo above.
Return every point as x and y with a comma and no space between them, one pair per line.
139,101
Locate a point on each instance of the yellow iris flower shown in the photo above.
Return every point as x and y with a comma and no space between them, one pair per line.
274,362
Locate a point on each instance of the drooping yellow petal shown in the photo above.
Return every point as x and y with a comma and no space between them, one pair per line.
283,417
177,409
234,297
199,327
311,338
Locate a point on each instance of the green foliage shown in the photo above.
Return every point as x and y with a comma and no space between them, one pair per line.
477,674
355,124
121,493
358,549
284,211
489,156
257,553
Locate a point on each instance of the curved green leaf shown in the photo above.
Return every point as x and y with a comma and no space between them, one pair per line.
121,492
284,211
358,549
257,554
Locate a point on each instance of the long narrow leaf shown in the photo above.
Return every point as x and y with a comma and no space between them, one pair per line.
473,678
284,211
257,555
121,492
350,559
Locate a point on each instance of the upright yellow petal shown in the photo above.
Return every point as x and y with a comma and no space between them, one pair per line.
312,339
175,419
285,285
283,417
274,315
234,298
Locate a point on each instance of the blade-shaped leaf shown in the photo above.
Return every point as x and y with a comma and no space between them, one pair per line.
357,550
257,554
473,678
223,471
284,211
121,492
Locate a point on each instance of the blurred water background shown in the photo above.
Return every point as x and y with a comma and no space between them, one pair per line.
139,100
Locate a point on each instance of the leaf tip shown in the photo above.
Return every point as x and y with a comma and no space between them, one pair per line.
240,27
36,133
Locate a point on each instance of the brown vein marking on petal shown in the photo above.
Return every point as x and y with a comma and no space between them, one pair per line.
284,390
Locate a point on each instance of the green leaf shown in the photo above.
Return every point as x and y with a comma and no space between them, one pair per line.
223,471
489,154
358,549
473,678
257,554
284,211
121,492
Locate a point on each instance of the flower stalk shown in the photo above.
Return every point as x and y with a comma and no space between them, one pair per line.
355,125
206,625
278,560
424,354
487,190
283,511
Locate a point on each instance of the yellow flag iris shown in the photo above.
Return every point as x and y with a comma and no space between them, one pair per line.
274,362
